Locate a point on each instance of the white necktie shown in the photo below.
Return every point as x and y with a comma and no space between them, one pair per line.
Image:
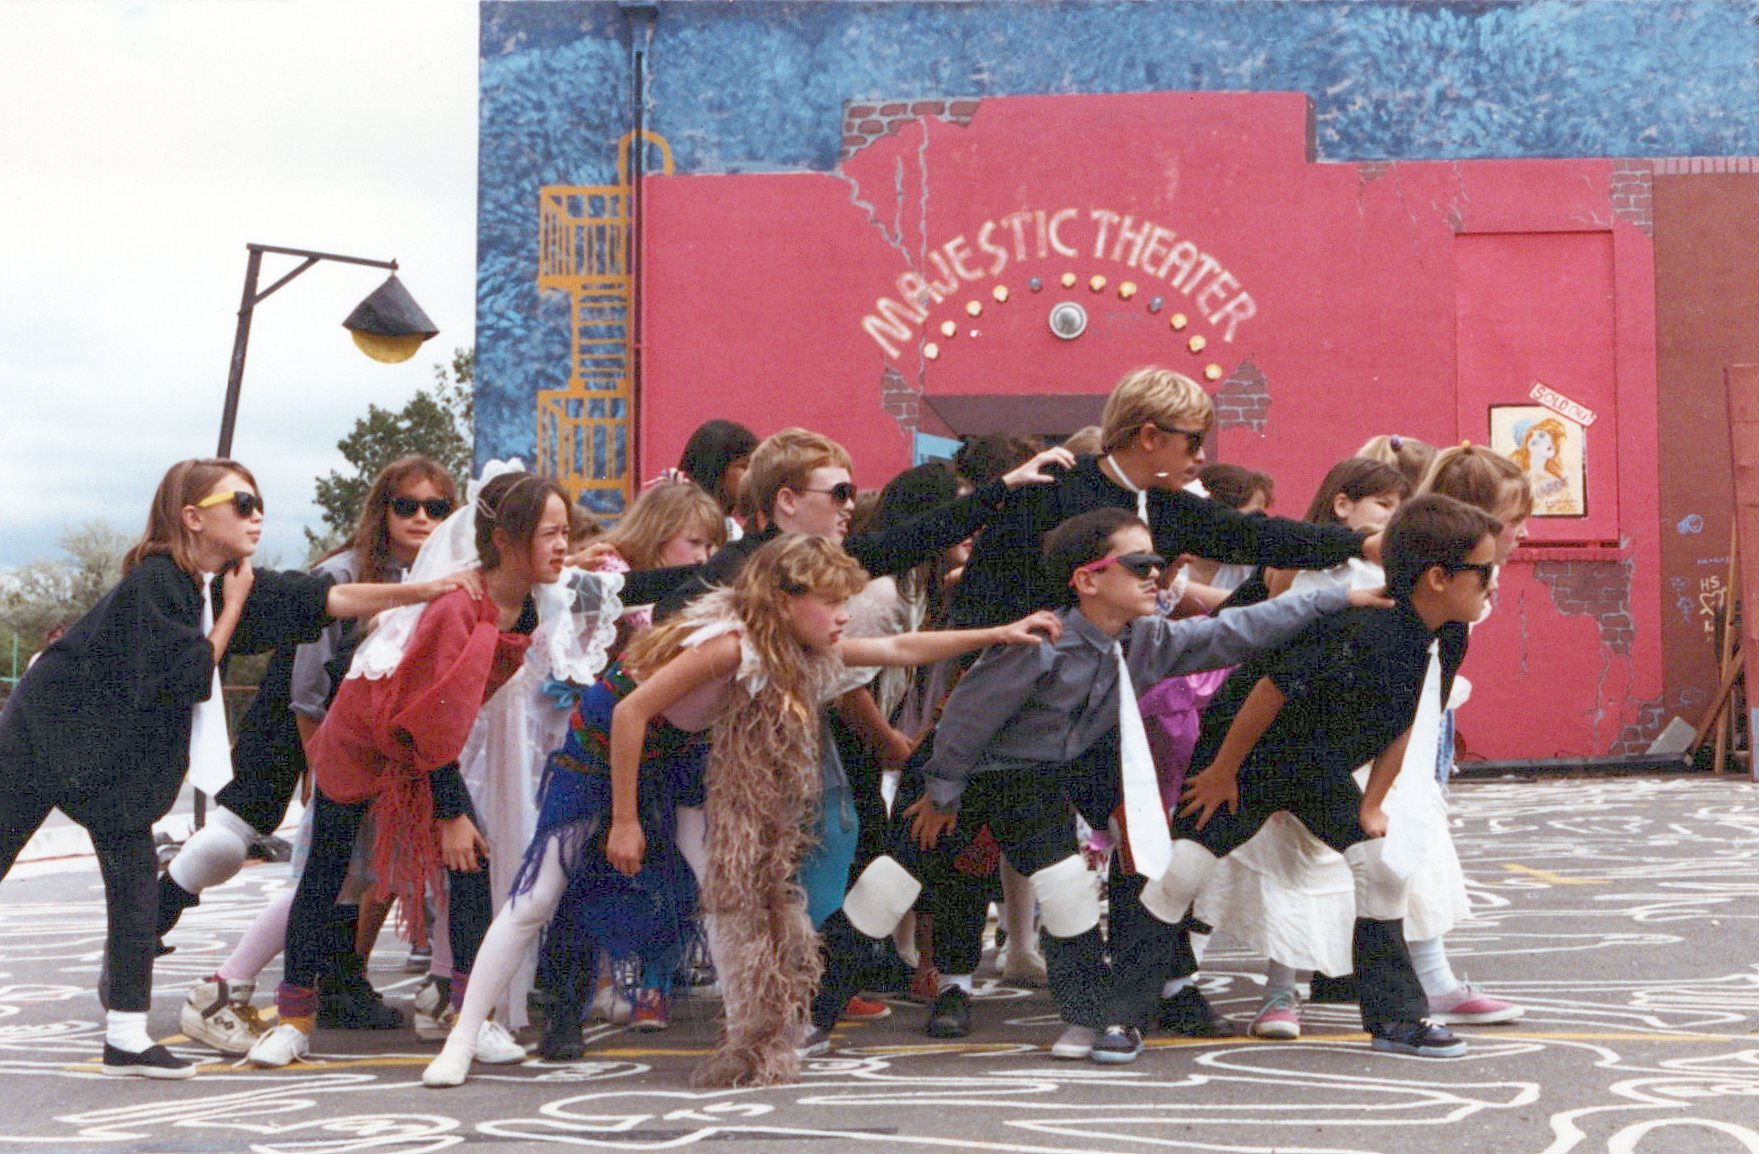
1124,479
1142,817
210,752
1414,799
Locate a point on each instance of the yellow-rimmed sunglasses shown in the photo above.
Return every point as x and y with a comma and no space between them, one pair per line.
246,503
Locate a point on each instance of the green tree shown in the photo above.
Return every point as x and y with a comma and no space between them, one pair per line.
437,422
50,591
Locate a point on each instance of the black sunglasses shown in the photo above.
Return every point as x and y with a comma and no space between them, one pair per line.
438,508
1193,438
841,492
247,504
1485,570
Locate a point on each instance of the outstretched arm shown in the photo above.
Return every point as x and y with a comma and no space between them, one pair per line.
363,599
938,645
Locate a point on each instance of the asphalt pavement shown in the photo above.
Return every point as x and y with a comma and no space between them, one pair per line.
1618,911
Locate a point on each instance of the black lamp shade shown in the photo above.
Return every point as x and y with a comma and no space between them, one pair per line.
390,312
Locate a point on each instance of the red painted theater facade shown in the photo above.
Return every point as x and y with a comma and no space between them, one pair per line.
997,265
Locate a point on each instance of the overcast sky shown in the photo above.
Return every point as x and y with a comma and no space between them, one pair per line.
142,145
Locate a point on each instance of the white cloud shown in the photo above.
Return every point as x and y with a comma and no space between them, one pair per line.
145,145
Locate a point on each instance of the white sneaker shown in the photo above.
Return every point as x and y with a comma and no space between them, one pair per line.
612,1005
281,1046
219,1013
495,1046
1075,1043
433,1009
1024,965
451,1068
814,1043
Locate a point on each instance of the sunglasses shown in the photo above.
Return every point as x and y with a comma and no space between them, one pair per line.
438,508
1485,570
842,492
1142,565
247,504
1193,438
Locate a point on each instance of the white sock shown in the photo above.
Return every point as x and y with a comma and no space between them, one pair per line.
948,981
1177,984
127,1030
213,853
1430,959
1278,978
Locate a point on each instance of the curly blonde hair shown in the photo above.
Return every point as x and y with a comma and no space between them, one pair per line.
791,565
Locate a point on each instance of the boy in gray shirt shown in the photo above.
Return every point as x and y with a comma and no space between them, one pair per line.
1008,754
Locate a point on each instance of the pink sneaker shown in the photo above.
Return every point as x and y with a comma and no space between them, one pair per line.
1279,1017
1465,1006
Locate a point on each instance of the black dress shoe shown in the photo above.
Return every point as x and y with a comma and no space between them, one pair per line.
1188,1014
950,1017
152,1062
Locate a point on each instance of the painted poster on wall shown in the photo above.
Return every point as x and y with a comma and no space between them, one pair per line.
1548,447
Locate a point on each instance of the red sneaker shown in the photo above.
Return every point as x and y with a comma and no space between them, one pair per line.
859,1009
652,1011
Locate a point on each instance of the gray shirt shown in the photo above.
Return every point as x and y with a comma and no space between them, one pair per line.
310,687
1023,706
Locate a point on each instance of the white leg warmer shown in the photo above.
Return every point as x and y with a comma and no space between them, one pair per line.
213,853
1381,894
880,897
1068,897
514,929
1170,895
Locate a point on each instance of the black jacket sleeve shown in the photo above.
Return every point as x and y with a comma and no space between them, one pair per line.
926,537
283,608
1186,523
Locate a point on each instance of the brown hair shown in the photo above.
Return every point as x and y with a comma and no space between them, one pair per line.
662,513
1355,478
791,565
371,539
184,484
1481,477
513,503
1082,539
1151,396
1233,485
785,460
985,457
1406,454
1427,531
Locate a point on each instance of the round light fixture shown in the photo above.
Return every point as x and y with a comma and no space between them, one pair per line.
1068,320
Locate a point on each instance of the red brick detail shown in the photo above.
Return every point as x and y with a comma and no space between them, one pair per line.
1703,165
867,121
901,399
1632,193
1641,733
1243,401
1598,589
1373,170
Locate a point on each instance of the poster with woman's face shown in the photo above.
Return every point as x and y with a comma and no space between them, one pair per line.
1548,448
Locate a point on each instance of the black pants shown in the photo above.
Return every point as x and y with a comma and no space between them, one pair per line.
335,829
131,891
1031,820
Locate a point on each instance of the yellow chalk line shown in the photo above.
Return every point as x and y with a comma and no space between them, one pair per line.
1554,879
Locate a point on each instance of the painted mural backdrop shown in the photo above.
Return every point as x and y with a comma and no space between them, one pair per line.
878,215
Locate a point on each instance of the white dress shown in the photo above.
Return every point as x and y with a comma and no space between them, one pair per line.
1289,896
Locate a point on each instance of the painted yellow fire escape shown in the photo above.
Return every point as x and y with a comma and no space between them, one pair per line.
586,248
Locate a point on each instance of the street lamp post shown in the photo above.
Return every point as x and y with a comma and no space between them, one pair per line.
388,325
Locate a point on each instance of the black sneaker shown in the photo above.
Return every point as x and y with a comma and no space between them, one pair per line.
1188,1014
1117,1045
1420,1039
562,1041
352,1004
152,1062
950,1017
1329,991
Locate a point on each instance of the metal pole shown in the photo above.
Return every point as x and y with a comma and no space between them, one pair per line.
240,342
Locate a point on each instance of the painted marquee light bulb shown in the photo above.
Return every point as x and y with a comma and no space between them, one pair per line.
948,328
1126,290
1177,322
1155,304
974,308
931,351
1068,280
1096,283
1036,284
1212,372
1000,292
1196,343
